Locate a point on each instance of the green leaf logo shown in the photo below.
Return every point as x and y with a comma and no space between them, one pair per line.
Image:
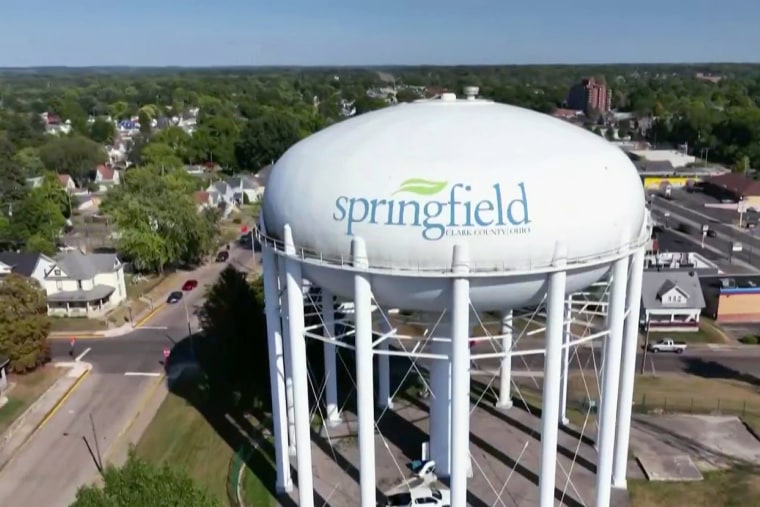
421,186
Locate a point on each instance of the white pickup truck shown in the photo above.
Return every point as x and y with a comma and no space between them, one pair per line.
667,345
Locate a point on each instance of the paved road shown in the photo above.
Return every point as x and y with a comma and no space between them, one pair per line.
685,212
48,470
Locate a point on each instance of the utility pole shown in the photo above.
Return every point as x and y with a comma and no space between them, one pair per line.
646,344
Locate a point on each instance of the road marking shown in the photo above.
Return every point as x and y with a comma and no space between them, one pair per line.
150,314
141,374
159,328
63,399
69,336
80,356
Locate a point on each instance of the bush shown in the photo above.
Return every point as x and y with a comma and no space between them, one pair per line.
237,220
749,340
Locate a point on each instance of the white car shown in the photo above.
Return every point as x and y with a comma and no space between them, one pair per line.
421,496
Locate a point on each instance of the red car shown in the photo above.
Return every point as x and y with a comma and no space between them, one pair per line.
190,285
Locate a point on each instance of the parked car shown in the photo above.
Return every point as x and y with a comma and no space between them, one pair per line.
222,256
667,345
190,285
421,496
711,233
174,297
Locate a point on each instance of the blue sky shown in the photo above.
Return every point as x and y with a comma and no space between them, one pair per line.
361,32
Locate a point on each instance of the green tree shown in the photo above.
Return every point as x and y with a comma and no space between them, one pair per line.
234,342
265,139
158,220
29,160
176,138
145,120
74,155
102,131
161,155
139,483
36,216
54,192
24,324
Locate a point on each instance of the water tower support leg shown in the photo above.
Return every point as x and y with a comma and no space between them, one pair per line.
628,372
290,408
550,405
505,373
611,382
299,373
284,482
563,420
364,376
460,380
331,370
384,368
440,400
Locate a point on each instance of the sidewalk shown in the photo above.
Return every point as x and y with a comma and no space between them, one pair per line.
38,414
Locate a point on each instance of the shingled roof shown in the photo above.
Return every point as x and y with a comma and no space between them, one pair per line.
737,183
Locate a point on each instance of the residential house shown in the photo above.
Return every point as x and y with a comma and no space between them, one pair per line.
205,200
29,264
67,182
84,285
35,181
106,177
237,190
671,300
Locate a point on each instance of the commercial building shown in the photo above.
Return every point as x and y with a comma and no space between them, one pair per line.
589,95
734,186
732,299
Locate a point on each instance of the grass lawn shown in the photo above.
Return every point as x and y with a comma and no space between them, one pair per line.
708,333
739,487
180,436
26,390
63,324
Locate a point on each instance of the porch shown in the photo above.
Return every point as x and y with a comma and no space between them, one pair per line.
81,303
675,320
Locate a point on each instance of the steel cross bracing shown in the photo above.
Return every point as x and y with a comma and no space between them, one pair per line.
583,321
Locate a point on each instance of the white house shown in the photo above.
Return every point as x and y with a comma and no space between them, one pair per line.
671,300
84,285
67,183
237,190
106,177
29,264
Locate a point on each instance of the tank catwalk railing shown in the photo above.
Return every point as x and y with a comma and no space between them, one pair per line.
315,257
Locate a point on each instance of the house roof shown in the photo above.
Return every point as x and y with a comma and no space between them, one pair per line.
64,179
98,292
23,263
246,182
80,266
655,166
106,173
736,183
263,174
201,197
656,283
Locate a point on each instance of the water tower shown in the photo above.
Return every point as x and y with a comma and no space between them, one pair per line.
450,207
